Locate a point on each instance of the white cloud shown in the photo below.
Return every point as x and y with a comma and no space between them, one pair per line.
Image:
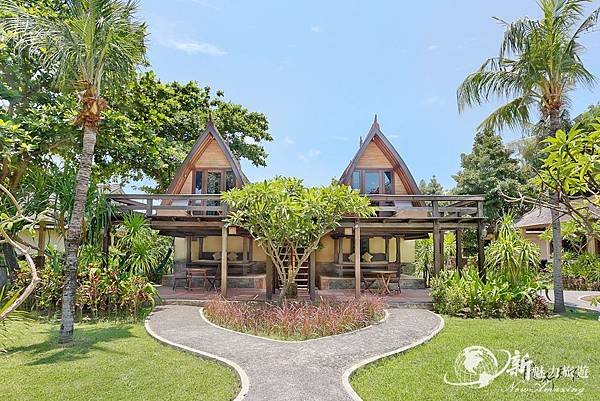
191,47
316,29
288,141
432,48
312,153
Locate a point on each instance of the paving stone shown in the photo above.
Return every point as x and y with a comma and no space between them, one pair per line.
302,371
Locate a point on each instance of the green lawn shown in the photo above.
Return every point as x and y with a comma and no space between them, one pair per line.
419,373
108,361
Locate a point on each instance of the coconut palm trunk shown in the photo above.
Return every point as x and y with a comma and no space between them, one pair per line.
557,281
74,232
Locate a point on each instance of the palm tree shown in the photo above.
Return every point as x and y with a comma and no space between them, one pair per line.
538,66
91,45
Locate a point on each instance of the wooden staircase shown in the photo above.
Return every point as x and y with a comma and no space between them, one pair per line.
302,278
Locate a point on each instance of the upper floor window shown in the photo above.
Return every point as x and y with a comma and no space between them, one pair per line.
211,181
373,181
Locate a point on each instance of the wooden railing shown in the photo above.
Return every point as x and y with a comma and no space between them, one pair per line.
204,204
433,206
429,206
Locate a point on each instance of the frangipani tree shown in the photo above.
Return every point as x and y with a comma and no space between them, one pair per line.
283,213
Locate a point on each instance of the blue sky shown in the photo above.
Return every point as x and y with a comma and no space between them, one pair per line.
320,70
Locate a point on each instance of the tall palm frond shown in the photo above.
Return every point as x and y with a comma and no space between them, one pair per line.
539,63
92,40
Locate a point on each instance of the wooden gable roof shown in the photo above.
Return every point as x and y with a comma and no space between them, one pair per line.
209,135
377,138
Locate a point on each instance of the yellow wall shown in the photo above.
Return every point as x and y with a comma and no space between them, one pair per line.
324,255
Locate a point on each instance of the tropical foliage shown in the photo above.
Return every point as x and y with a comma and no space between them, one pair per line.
467,294
511,256
296,320
539,64
282,213
581,271
571,168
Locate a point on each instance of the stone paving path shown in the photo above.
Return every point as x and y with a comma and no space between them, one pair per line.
572,298
314,370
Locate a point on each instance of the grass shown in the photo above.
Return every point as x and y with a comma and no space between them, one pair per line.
107,361
418,374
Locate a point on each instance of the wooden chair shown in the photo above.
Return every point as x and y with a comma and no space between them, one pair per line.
214,280
367,281
181,276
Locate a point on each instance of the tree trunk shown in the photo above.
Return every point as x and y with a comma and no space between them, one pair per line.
74,233
12,265
559,302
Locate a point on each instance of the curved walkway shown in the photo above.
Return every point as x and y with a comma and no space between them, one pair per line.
573,298
314,370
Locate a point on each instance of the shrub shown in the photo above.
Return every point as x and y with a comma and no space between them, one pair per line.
295,320
468,295
581,272
510,255
102,291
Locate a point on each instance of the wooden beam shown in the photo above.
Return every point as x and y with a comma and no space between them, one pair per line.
357,260
459,250
312,271
399,250
269,278
224,262
480,251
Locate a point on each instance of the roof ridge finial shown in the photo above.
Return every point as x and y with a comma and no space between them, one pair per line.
375,122
210,118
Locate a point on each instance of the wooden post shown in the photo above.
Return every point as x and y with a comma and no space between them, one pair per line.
224,262
459,250
399,251
244,255
438,258
200,247
188,243
312,276
41,255
387,249
480,250
269,278
357,260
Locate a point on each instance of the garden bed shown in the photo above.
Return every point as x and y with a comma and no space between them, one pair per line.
294,320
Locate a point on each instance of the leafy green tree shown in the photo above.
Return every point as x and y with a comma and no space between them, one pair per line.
490,170
433,187
94,45
539,64
152,126
282,213
571,168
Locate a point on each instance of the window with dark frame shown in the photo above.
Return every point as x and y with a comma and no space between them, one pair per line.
373,181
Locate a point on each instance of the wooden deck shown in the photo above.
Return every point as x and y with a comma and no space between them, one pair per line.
415,298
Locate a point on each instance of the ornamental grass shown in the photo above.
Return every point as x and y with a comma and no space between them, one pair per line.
295,320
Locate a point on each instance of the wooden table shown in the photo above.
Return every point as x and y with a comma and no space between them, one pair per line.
384,277
190,273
